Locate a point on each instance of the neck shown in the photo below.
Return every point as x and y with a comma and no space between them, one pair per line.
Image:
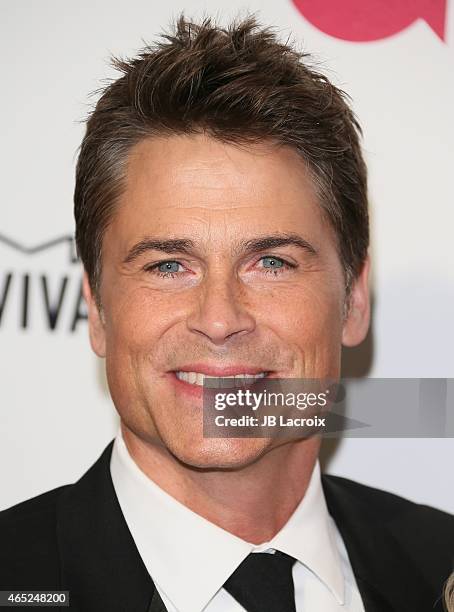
253,502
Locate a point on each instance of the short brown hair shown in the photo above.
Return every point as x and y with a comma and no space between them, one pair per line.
239,84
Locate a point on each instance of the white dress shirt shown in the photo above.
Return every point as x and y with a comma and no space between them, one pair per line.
189,558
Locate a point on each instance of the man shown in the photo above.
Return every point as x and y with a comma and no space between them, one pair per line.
221,217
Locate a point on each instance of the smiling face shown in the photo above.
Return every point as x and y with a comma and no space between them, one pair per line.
218,260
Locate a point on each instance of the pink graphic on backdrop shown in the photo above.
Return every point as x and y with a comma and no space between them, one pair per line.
367,20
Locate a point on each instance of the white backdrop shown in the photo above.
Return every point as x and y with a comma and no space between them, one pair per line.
55,413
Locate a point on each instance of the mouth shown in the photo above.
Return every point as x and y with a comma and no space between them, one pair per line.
237,380
198,376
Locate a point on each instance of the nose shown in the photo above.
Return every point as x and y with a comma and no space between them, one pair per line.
221,311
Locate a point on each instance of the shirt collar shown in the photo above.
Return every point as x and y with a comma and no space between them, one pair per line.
190,558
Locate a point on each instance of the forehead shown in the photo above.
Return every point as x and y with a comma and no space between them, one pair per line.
205,162
197,184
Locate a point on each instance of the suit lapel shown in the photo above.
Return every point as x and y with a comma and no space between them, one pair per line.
157,605
387,578
100,564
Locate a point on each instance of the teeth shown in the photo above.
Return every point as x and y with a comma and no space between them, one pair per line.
238,380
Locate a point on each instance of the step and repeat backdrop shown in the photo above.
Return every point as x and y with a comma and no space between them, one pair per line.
396,60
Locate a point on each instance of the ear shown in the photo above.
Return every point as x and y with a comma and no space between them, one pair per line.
357,321
95,321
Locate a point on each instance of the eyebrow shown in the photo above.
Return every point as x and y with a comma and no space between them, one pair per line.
170,245
264,243
247,247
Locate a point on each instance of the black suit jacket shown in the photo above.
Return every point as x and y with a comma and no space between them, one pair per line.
75,538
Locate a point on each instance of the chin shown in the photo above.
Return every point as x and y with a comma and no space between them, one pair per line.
220,453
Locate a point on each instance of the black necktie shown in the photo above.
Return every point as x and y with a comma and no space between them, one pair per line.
264,583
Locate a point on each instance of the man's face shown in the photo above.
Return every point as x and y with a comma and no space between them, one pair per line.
218,260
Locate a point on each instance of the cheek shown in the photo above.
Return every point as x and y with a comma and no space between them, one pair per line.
136,319
130,337
309,311
311,322
134,322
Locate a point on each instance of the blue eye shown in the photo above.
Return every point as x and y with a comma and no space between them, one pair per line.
272,262
168,267
164,269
